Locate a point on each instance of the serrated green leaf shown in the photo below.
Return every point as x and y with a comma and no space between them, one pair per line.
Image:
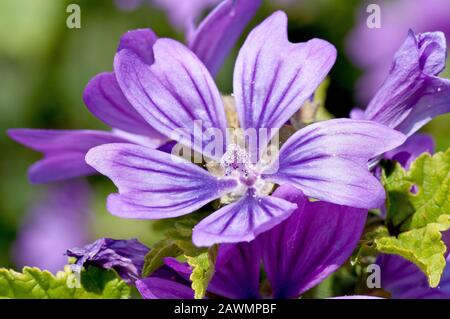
202,271
418,210
429,176
154,259
422,246
34,283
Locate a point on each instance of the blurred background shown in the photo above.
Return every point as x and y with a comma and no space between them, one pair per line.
44,67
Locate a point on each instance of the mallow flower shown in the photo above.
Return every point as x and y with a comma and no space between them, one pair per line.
412,93
272,79
64,150
296,256
372,49
56,221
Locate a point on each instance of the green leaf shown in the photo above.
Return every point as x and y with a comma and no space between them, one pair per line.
202,271
422,246
430,176
418,210
34,283
178,242
154,259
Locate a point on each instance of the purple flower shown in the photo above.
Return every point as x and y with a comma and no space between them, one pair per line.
124,256
183,14
56,222
296,255
64,150
412,93
372,49
272,78
404,280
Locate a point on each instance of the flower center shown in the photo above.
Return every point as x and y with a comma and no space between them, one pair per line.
236,163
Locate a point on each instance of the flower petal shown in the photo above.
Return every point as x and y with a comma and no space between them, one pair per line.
311,244
237,271
140,42
219,31
105,100
412,94
328,161
404,280
411,149
274,77
160,288
242,220
64,151
176,95
153,184
124,256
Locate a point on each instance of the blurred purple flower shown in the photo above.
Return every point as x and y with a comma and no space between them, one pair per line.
272,78
372,49
58,221
124,256
412,93
297,255
129,5
64,150
184,14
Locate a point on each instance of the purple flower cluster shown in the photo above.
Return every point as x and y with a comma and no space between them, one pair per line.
298,212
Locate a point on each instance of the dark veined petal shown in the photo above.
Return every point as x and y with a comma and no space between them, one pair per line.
124,256
237,271
242,220
161,288
412,94
176,95
219,31
328,161
64,151
140,42
105,100
311,244
273,77
154,184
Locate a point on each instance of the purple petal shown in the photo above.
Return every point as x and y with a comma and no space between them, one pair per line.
170,281
237,271
274,77
311,244
124,256
57,221
159,288
140,42
219,31
153,184
105,100
411,149
412,94
176,95
242,221
328,161
64,151
405,281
